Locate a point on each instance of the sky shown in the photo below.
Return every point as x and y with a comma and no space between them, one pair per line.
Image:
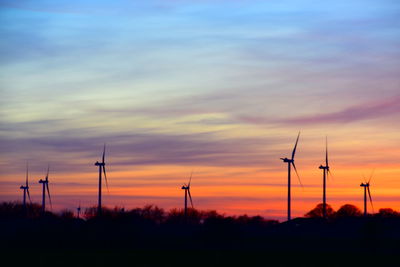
220,88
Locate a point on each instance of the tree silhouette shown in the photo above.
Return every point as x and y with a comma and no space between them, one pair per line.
348,210
178,216
150,212
17,210
317,212
388,212
67,214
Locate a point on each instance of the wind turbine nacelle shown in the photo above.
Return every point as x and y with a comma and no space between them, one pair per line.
286,160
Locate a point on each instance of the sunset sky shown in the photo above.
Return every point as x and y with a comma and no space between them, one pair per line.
220,87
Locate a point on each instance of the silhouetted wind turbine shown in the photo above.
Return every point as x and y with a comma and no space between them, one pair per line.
186,187
45,184
326,171
79,209
366,188
26,189
102,169
290,162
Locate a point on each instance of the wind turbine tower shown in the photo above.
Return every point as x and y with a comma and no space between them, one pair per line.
186,187
26,189
102,169
78,209
290,163
326,171
45,184
367,191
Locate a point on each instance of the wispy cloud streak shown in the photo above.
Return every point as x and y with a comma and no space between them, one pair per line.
366,111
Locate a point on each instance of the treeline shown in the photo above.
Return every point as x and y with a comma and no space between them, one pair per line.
149,214
348,210
149,227
206,234
156,215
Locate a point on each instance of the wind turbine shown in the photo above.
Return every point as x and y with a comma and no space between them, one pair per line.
326,171
45,184
366,188
186,187
26,189
102,169
78,209
290,163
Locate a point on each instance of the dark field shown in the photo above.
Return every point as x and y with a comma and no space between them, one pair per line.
139,239
125,257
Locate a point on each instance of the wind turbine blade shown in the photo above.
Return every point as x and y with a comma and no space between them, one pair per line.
365,180
329,174
29,196
190,197
104,153
105,178
190,179
372,173
326,154
295,146
26,183
48,170
370,199
48,192
298,177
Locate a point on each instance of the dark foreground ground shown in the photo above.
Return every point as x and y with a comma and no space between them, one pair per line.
109,242
191,258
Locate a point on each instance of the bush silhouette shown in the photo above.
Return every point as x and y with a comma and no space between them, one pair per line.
317,212
348,210
17,210
388,212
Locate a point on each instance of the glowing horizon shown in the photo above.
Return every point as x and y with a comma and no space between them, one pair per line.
218,87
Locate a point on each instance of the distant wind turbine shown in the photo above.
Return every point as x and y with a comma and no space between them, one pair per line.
186,187
366,189
26,189
78,209
290,162
326,172
45,184
102,169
